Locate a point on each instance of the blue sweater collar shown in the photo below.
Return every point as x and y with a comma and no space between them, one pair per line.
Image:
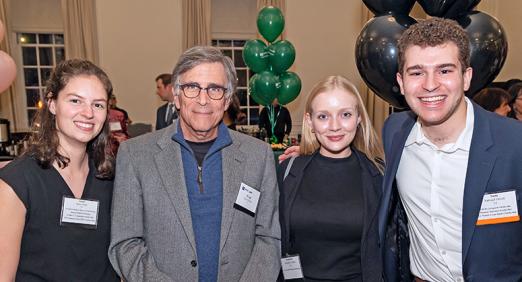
223,139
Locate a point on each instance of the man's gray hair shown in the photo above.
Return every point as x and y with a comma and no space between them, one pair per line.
198,55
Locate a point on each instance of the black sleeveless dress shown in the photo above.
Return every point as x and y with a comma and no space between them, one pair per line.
49,251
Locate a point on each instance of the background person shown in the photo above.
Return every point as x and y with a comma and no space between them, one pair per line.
196,201
113,104
494,100
118,129
516,101
330,197
282,119
66,161
234,115
167,113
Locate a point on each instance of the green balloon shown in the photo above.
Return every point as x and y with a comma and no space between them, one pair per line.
290,87
270,23
282,55
252,90
255,55
264,86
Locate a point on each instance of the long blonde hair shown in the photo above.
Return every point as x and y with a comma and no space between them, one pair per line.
365,139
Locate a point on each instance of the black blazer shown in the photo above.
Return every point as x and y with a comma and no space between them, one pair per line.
371,262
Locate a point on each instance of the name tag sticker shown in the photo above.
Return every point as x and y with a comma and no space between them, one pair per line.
79,212
115,126
498,207
291,266
247,199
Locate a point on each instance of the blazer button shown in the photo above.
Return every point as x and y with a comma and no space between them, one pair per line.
193,263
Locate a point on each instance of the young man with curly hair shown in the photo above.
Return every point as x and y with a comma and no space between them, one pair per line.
452,186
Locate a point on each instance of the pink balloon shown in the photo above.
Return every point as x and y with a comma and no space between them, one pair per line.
2,31
7,71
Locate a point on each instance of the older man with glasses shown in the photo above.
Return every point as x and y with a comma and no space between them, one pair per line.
196,201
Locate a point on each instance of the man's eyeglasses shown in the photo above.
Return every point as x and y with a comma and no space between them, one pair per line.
192,90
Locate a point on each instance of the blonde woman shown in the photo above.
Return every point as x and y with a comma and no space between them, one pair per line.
329,194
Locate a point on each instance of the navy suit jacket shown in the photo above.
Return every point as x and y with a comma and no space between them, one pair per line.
160,117
489,252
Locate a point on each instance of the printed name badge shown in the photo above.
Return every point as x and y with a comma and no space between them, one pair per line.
247,199
115,126
291,266
498,207
79,212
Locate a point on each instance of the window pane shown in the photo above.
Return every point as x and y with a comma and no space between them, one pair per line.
60,54
44,74
242,95
27,38
58,38
239,43
45,38
33,95
46,56
30,116
241,78
225,43
227,53
238,59
29,56
254,116
252,102
214,42
31,76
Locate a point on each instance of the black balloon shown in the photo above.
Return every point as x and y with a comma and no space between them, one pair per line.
382,7
460,8
447,8
376,56
489,48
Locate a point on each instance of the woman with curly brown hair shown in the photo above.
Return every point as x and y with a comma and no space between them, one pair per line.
55,199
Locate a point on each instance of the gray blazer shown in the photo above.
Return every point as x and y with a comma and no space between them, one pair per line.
152,237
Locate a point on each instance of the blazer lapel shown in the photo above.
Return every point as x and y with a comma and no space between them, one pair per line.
371,194
233,170
290,186
170,167
393,157
480,165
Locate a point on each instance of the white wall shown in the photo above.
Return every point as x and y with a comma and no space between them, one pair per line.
35,15
232,19
324,35
138,40
508,14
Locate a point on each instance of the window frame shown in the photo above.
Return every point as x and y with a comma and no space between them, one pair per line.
250,106
22,110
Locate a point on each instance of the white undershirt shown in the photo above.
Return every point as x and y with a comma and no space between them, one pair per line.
431,187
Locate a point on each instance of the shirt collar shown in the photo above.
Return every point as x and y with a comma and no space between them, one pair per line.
463,141
223,139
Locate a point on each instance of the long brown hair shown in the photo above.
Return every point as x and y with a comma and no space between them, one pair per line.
44,141
365,139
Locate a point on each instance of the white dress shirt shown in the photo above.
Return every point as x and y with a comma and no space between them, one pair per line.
431,187
170,112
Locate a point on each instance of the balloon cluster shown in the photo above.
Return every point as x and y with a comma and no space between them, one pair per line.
7,65
271,62
376,48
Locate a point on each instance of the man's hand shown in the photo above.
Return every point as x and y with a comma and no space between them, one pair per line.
289,152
